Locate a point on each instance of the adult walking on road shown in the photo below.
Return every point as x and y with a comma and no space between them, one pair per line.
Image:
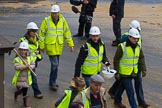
32,39
54,31
86,16
138,79
96,95
128,57
116,11
91,56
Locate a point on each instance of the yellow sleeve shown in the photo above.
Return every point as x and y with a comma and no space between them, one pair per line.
42,33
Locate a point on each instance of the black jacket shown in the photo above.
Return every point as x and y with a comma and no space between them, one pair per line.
90,7
117,8
84,53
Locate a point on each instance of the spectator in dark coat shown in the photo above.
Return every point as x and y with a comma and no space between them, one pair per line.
117,13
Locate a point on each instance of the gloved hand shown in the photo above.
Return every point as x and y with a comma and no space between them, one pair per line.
143,73
107,63
117,76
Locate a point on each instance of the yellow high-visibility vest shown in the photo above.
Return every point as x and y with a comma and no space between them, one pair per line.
92,64
66,101
52,36
129,60
15,78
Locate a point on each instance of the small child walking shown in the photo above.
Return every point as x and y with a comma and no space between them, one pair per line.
22,78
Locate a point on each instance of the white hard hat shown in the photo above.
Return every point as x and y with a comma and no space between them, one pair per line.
134,33
32,25
135,24
95,31
24,45
55,8
108,73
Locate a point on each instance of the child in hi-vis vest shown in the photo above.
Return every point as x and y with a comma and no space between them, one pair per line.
22,78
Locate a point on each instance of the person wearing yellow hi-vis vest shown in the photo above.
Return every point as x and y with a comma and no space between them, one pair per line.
54,31
75,89
22,78
138,79
32,39
91,56
128,57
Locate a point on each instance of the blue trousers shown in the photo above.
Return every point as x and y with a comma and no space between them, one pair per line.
54,69
139,89
35,85
137,85
126,84
87,80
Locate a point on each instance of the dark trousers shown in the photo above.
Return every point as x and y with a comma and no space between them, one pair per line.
126,84
117,28
138,88
85,22
35,85
24,91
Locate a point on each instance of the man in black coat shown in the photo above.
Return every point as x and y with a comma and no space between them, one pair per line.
85,19
117,13
91,56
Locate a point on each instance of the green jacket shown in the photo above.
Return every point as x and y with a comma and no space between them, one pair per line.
119,54
129,60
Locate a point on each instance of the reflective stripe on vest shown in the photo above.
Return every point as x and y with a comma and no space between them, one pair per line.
66,101
54,31
92,64
129,60
86,101
15,78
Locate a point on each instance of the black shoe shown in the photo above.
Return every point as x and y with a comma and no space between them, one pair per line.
119,105
78,35
144,105
54,87
111,95
39,96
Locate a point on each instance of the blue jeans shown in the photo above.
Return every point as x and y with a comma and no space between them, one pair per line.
54,69
87,80
126,84
35,85
139,89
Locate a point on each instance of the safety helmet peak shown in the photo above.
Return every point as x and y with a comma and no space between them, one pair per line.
24,45
32,25
134,33
95,31
135,24
55,8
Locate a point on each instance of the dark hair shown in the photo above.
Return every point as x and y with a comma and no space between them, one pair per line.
76,105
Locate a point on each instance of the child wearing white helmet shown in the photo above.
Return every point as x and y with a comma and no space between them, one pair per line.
22,78
32,39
